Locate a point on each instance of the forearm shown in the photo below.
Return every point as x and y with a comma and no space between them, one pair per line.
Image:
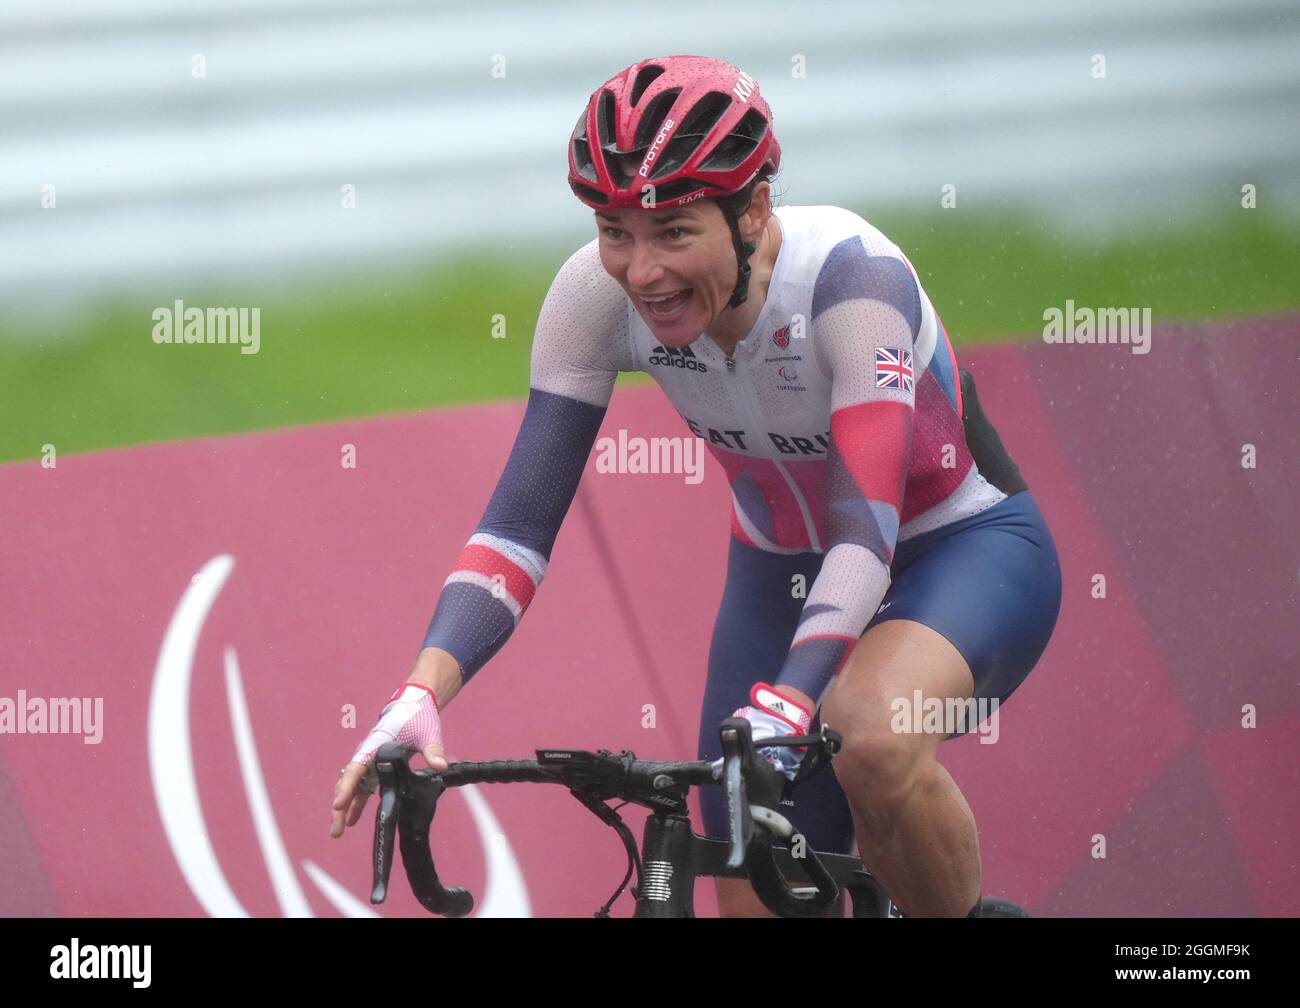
504,562
438,670
797,695
842,601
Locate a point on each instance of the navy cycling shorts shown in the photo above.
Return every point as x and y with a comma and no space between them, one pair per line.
990,583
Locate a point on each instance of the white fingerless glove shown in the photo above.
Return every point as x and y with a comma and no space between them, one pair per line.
411,719
775,716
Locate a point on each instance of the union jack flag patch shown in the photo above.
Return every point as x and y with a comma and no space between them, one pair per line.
894,369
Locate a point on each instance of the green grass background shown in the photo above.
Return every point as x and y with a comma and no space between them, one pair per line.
423,339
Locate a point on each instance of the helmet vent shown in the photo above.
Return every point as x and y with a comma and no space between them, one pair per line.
605,119
644,78
653,117
616,161
582,150
739,144
705,115
697,125
584,192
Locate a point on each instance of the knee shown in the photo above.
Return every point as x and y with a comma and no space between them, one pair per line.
878,768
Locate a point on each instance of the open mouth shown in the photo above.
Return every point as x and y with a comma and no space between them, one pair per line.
667,308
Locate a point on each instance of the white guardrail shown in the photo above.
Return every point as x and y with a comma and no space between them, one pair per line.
214,139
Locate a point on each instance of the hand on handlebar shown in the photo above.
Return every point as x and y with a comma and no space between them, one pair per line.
411,719
775,715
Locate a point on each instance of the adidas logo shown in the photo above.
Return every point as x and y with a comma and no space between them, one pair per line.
678,357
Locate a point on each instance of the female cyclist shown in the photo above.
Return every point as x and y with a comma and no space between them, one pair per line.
799,343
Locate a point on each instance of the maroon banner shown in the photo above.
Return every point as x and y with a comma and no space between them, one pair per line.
197,634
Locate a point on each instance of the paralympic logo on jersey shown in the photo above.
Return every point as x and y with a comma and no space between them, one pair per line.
175,785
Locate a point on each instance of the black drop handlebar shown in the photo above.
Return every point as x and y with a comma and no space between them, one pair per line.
754,791
408,801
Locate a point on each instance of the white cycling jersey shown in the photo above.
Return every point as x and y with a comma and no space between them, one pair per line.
837,420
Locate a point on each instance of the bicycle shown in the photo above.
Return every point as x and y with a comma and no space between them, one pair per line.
672,855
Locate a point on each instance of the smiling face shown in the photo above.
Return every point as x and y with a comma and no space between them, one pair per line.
685,253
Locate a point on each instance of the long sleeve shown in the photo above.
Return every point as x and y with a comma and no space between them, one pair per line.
576,353
866,317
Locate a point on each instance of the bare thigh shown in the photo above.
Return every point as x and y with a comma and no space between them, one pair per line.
892,661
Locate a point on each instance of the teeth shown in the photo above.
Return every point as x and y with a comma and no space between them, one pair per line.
656,300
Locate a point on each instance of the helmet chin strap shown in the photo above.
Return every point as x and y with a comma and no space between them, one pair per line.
744,250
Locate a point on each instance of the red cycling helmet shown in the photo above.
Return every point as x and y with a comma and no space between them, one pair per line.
679,128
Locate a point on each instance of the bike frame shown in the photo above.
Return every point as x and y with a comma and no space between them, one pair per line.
673,856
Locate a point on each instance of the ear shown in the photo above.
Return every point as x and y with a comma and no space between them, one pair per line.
755,218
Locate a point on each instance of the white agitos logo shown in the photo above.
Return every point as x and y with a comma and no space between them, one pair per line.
171,765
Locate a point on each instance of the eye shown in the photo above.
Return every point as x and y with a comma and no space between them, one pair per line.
675,234
613,233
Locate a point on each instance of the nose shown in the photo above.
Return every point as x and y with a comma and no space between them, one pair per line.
644,268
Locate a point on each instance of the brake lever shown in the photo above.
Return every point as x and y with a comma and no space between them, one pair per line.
381,850
408,802
736,754
769,786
